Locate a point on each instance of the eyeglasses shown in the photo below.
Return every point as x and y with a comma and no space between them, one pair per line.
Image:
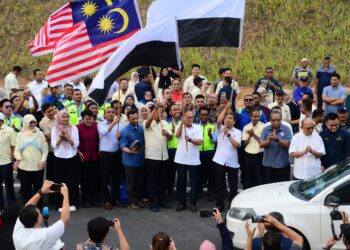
32,122
9,106
248,100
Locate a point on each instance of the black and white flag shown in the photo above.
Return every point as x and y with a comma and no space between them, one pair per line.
155,45
202,23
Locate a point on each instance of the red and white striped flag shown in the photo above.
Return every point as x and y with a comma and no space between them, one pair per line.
57,24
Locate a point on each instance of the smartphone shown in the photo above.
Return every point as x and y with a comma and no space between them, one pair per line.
56,187
110,223
206,213
257,219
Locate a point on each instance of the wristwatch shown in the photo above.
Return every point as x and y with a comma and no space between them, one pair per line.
190,140
40,193
228,135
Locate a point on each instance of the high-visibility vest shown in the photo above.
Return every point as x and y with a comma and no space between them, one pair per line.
101,110
15,121
172,144
208,144
72,110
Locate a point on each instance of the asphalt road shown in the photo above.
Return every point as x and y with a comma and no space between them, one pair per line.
187,229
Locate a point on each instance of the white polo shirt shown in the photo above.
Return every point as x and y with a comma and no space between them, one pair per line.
7,141
226,153
155,142
36,89
37,238
189,155
307,165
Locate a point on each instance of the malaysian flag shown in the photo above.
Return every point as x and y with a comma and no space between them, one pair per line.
83,48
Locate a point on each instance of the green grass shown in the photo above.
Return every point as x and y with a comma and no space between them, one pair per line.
276,33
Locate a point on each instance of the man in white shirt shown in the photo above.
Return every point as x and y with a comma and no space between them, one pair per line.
226,156
284,107
11,82
77,84
110,162
157,134
36,87
190,136
188,85
235,85
307,148
28,234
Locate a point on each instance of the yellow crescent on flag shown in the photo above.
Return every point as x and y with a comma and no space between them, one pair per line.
125,19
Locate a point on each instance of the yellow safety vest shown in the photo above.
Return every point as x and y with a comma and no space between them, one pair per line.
14,121
101,110
208,144
172,144
72,110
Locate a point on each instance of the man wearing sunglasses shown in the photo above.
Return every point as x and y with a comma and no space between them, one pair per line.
307,148
54,97
12,120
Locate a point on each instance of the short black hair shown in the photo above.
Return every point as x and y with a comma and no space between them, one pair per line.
271,241
87,112
203,108
35,71
317,112
186,93
76,90
336,75
13,98
309,95
68,85
17,68
195,66
276,107
123,79
87,81
254,110
143,72
28,216
132,112
307,103
166,88
199,97
226,69
98,229
268,68
256,93
221,70
331,116
46,106
2,102
115,102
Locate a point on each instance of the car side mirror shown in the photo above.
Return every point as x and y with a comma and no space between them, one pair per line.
332,201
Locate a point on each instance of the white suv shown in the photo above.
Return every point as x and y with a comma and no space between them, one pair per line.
305,205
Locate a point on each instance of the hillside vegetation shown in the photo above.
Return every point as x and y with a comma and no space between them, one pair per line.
277,33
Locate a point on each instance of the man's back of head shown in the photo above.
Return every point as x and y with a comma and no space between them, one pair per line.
29,216
271,241
98,229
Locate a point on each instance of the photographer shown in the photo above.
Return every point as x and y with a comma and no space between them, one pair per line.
28,233
271,240
98,229
344,233
226,235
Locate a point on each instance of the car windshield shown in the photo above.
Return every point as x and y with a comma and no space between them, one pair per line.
308,189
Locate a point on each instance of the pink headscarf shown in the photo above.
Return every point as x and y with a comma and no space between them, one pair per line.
207,245
60,127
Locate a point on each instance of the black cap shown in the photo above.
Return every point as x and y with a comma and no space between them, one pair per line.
280,92
327,57
304,78
197,79
342,110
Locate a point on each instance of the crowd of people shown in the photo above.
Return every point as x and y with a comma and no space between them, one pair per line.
138,146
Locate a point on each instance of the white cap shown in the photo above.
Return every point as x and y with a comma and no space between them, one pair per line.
2,117
304,60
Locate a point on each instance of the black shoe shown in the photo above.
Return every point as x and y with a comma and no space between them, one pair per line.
193,208
165,205
180,208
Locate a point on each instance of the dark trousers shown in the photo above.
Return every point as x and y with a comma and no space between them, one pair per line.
206,171
133,180
110,175
220,183
89,181
182,180
67,171
6,177
38,116
254,171
319,98
156,181
49,166
273,175
241,161
31,182
170,173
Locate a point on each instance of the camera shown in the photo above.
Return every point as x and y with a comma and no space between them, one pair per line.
336,215
206,213
110,223
135,146
258,219
56,187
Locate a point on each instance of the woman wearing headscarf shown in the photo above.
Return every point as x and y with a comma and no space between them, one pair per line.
147,97
30,152
162,82
130,100
134,79
65,142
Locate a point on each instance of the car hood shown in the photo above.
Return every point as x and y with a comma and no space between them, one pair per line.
266,195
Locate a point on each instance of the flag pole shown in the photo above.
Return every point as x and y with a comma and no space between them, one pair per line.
119,109
235,69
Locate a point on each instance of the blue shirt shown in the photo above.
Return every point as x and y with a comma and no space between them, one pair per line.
334,92
227,90
54,101
128,136
299,92
286,243
337,146
276,156
141,88
243,118
324,77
